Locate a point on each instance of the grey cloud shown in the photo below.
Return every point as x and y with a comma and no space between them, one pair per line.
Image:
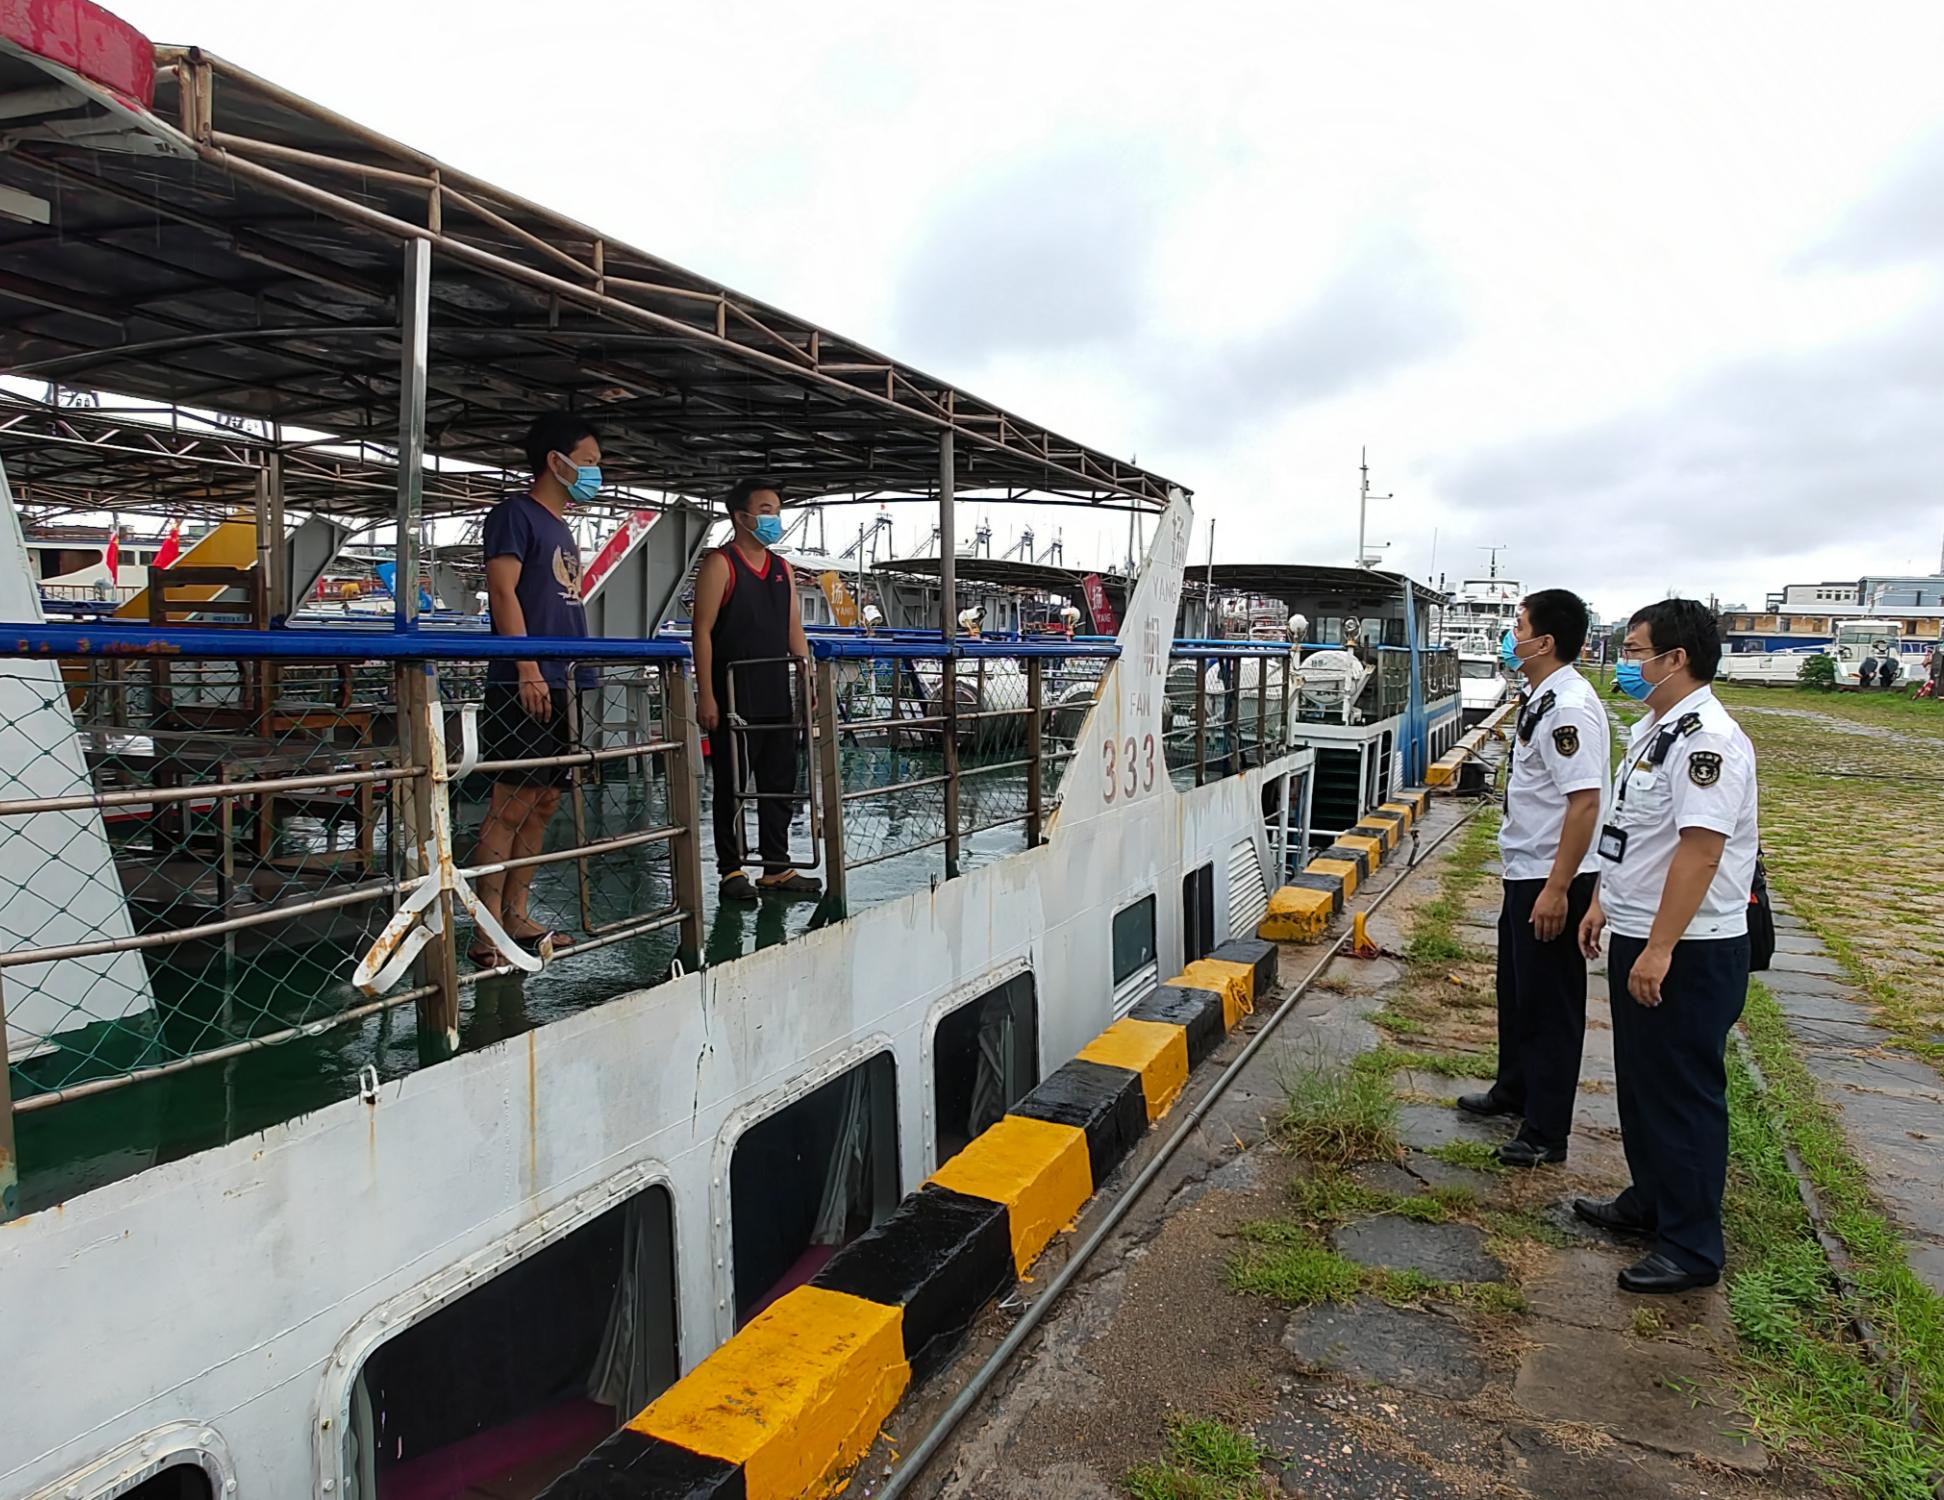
1386,307
1760,461
1044,254
1901,220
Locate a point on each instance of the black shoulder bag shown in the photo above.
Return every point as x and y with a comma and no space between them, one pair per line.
1761,920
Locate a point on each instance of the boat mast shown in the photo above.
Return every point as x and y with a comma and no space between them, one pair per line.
1364,497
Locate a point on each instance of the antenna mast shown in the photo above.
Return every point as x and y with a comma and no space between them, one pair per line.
1364,497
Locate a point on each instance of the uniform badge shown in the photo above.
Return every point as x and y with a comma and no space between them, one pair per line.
1566,739
1704,768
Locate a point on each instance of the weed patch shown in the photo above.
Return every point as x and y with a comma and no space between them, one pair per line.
1337,1115
1206,1460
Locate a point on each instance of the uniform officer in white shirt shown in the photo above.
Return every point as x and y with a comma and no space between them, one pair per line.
1678,859
1556,788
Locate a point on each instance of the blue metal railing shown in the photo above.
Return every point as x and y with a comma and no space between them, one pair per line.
321,643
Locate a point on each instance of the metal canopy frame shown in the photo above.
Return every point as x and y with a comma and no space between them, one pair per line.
237,248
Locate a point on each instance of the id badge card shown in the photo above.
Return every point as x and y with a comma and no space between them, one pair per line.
1613,843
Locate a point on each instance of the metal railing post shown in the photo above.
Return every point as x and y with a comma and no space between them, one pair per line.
830,770
1232,715
425,826
1262,710
9,1163
948,680
1035,747
684,804
1201,719
1289,666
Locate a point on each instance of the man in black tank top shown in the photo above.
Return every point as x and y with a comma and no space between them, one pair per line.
747,621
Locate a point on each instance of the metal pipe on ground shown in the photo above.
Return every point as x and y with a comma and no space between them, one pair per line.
919,1457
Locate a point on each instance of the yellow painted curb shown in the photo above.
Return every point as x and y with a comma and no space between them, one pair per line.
1157,1050
795,1397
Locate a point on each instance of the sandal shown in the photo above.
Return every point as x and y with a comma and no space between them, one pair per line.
737,888
792,883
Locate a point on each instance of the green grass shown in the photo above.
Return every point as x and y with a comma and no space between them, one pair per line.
1806,1383
1292,1268
1474,1155
1206,1460
1338,1115
1288,1263
1396,1023
1444,1064
1434,939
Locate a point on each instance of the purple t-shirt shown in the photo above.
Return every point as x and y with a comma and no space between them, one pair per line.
549,589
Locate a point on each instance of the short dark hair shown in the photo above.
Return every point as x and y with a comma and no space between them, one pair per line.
747,490
1687,624
555,432
1561,614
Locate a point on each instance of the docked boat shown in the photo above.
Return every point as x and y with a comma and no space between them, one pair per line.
304,1193
1482,685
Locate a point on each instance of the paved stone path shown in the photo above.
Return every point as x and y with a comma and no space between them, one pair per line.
1891,1104
1578,1395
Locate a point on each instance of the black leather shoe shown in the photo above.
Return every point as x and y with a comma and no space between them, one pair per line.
1656,1273
1608,1215
1488,1104
1523,1153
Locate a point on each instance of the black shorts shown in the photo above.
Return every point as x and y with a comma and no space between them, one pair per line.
508,732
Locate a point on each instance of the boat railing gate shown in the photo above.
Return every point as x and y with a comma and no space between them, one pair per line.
208,820
923,744
1238,714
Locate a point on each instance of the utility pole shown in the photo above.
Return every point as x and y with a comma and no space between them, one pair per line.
1364,497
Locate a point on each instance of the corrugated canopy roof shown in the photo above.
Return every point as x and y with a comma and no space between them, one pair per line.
239,249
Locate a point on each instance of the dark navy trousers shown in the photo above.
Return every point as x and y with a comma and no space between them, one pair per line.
1541,1011
1669,1066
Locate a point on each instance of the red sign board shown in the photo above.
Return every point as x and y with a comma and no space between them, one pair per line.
102,48
1097,605
615,548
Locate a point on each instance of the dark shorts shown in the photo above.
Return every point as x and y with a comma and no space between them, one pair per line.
508,732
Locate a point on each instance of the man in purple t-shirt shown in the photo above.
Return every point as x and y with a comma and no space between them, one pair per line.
533,587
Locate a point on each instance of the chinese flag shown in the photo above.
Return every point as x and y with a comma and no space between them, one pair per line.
111,556
170,549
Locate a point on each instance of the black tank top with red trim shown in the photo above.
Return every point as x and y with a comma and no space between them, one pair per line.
753,623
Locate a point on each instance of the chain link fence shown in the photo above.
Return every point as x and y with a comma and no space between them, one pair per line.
200,848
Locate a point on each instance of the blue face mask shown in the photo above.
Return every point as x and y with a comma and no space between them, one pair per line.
1509,652
768,530
1628,677
587,482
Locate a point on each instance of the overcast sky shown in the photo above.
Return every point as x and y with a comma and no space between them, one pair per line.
1656,302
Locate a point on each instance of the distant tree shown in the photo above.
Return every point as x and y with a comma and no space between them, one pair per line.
1818,672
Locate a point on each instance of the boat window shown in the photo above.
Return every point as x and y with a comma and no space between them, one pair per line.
1478,671
985,1059
180,1481
516,1381
1198,913
811,1178
1136,971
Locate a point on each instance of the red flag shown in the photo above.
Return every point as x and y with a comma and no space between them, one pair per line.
111,555
170,549
1103,612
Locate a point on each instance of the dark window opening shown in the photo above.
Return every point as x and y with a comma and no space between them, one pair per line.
510,1386
1133,939
985,1058
811,1178
1198,913
177,1482
1136,969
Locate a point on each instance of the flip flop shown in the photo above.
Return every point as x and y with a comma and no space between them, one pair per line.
792,884
545,943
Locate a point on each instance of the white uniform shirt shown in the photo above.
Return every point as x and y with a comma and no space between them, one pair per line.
1563,744
1705,780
